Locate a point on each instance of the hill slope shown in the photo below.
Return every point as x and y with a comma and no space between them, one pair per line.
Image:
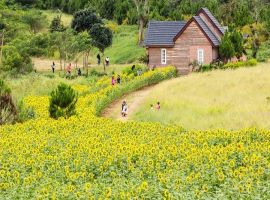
230,99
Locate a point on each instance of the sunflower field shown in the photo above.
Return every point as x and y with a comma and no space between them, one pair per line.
89,157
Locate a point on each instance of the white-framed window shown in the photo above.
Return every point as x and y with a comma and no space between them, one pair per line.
163,56
200,56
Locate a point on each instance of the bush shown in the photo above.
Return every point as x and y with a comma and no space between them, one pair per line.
132,70
235,65
252,62
62,102
144,59
8,111
14,61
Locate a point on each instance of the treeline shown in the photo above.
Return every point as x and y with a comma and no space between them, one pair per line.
239,12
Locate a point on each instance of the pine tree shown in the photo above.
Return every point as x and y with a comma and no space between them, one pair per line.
226,48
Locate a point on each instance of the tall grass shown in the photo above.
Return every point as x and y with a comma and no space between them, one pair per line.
230,99
38,84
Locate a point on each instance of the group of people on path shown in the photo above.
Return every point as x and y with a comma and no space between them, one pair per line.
118,80
79,72
69,69
124,108
157,106
107,60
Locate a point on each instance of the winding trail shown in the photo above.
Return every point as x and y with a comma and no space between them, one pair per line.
134,100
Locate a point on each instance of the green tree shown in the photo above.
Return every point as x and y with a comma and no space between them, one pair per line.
62,102
57,24
83,20
8,111
66,44
142,7
226,48
35,19
238,43
101,38
12,59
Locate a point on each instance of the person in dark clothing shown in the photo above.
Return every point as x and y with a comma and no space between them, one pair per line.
79,72
133,67
118,79
53,67
98,59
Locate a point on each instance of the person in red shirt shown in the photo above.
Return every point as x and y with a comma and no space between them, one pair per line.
113,81
158,105
69,68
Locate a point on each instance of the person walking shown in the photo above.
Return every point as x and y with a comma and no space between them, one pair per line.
53,67
113,81
69,68
79,72
124,109
107,61
158,105
118,79
98,59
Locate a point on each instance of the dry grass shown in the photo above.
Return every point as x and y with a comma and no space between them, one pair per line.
231,99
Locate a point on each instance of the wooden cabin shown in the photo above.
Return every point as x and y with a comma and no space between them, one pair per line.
180,43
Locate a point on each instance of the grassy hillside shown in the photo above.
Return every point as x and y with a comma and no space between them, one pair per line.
229,99
124,48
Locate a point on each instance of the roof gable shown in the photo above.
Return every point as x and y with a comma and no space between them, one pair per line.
161,33
203,27
212,19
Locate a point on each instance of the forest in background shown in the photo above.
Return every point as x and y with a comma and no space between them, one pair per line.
25,28
238,12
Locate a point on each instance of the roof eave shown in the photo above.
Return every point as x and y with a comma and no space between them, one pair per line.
159,45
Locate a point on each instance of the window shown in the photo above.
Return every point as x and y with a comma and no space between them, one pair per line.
200,56
163,56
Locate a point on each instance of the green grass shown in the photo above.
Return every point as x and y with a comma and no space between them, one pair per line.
230,99
38,84
50,14
124,48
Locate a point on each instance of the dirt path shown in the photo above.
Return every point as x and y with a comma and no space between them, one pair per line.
134,100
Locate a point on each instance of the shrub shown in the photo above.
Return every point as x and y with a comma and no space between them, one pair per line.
235,65
8,111
11,58
144,59
252,62
132,70
62,102
16,61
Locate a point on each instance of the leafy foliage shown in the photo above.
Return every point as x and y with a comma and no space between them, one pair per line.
226,48
101,36
62,102
56,25
83,20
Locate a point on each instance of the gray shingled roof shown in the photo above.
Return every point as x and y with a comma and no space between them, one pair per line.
214,20
206,29
161,33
